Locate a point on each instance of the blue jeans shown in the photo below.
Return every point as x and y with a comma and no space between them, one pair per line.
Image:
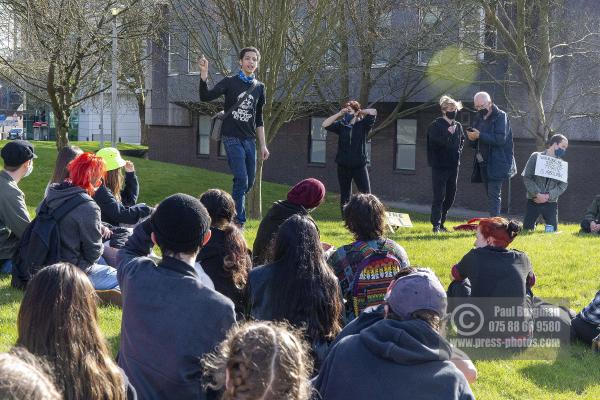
5,266
241,156
494,195
103,277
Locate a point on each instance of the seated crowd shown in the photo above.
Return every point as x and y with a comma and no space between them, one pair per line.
294,318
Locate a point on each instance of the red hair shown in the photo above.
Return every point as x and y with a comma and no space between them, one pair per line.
86,170
353,104
500,229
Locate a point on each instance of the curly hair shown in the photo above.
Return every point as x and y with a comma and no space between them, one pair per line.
25,376
364,216
260,360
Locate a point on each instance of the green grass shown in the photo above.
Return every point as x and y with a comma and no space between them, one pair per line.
564,263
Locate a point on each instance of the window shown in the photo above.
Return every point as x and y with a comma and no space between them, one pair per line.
383,49
318,141
222,152
204,123
429,33
406,144
227,53
472,34
193,54
175,48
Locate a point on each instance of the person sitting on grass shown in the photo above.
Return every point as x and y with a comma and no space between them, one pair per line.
298,286
364,217
24,376
591,219
81,228
586,325
58,321
226,257
117,196
260,360
18,158
170,318
368,317
406,350
302,198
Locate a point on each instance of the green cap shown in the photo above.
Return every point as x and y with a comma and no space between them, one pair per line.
112,158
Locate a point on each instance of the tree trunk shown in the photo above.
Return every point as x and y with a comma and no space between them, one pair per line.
143,125
539,127
62,129
255,196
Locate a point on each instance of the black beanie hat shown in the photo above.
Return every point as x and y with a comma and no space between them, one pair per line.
180,222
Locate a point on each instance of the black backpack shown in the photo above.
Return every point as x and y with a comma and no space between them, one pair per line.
40,244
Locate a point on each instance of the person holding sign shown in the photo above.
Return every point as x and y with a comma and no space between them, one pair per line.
545,178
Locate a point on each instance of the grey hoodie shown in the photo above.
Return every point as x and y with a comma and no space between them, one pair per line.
391,360
80,234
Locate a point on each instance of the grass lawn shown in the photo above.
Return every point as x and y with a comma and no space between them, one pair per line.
563,267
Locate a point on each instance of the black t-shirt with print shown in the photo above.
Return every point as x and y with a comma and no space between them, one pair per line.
243,121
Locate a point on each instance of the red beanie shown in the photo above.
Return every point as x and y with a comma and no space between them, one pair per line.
308,193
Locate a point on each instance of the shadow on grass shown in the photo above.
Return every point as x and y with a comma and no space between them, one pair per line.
572,373
8,294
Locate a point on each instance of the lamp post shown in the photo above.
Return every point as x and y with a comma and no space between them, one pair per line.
113,110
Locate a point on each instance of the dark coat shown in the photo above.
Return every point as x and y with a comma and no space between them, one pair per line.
211,258
170,321
125,211
389,360
496,143
277,214
444,148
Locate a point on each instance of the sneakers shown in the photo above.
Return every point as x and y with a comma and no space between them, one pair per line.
438,229
111,296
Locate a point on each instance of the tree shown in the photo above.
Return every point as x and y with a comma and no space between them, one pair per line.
64,47
293,42
540,38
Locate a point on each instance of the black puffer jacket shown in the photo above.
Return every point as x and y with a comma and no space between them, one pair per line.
125,211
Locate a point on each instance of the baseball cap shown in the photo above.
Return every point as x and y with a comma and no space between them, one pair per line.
421,290
112,158
17,152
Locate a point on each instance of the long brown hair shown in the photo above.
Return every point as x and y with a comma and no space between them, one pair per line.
114,181
63,158
264,360
58,321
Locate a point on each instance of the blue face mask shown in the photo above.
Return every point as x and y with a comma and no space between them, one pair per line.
560,153
347,119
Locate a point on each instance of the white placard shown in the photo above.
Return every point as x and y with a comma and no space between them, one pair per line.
398,220
552,167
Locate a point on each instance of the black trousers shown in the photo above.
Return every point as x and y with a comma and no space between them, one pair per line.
583,330
444,192
549,212
359,175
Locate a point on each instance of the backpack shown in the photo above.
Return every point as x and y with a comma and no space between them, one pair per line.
40,244
372,278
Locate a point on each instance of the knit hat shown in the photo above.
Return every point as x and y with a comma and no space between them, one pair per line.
421,290
111,157
308,193
180,222
17,152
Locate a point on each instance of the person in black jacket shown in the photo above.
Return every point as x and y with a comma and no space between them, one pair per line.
304,197
352,124
243,125
118,195
445,140
299,286
226,257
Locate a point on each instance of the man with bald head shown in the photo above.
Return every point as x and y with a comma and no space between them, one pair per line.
491,131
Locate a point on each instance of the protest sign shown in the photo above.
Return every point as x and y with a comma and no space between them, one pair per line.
552,167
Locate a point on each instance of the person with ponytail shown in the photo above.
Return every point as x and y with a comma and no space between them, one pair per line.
491,269
260,360
225,258
81,228
445,141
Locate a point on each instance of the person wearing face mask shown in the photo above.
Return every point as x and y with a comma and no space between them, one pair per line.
542,192
18,158
492,135
352,124
445,140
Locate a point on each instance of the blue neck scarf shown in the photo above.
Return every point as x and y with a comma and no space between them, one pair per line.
244,78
